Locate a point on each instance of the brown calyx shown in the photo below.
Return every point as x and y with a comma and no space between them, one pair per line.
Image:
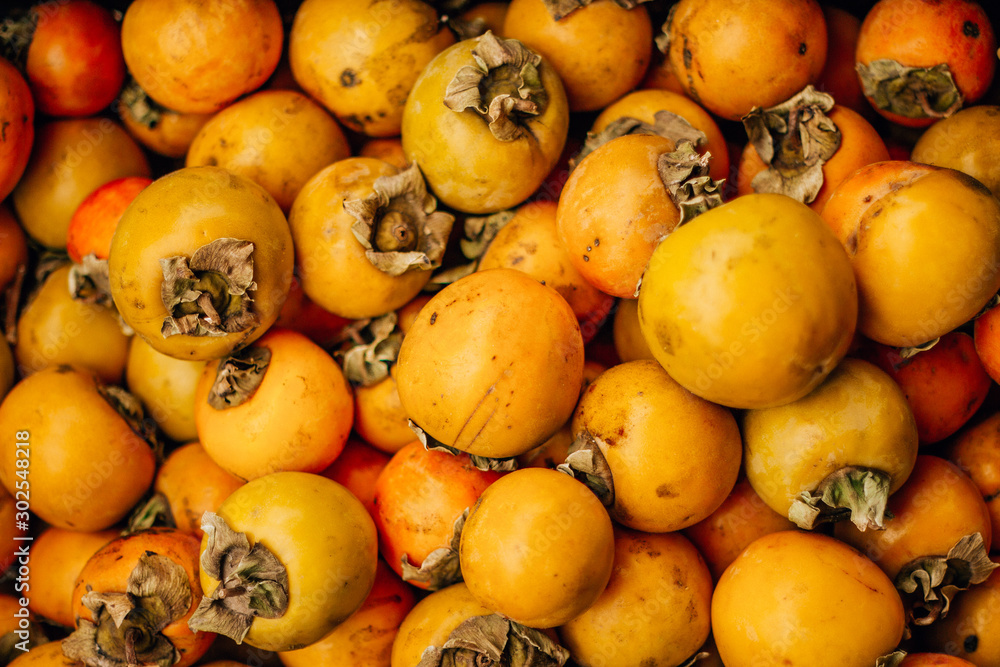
141,107
684,173
493,640
441,567
852,492
238,376
586,463
376,344
479,462
665,124
912,92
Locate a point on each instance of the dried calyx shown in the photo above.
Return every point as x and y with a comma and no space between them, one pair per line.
586,463
479,462
17,30
398,224
130,409
685,176
144,109
912,92
252,582
893,659
794,139
504,87
209,293
928,584
155,512
238,376
855,493
665,124
494,641
441,567
376,344
479,232
127,627
89,282
561,8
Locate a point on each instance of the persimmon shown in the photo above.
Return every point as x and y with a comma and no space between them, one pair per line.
944,385
88,466
839,78
169,46
629,342
46,655
550,453
286,398
432,620
379,417
726,307
134,596
508,387
655,609
278,139
921,61
917,277
57,556
192,484
357,469
599,50
407,315
964,141
739,520
364,75
794,596
54,328
860,145
976,450
95,219
483,16
969,631
937,493
420,500
387,149
13,247
529,242
302,314
934,660
366,637
643,105
166,386
198,281
717,49
161,130
18,109
486,121
71,158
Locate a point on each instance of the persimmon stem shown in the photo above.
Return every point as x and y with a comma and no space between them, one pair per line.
131,636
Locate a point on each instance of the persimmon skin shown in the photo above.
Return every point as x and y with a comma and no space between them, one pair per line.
17,108
716,49
860,145
839,77
379,417
976,450
172,134
13,247
969,631
944,385
94,221
357,469
46,655
986,334
600,51
193,484
418,497
925,33
431,620
934,660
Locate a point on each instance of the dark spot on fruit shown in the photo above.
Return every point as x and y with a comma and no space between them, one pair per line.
970,644
211,161
493,358
597,242
586,259
970,29
867,199
434,317
664,491
589,249
687,55
803,48
349,78
993,496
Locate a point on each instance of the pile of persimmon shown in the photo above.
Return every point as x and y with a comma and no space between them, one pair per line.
420,333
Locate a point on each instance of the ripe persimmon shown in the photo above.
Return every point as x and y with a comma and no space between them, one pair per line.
192,484
18,109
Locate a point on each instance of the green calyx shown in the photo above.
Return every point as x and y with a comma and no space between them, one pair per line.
855,493
494,641
911,92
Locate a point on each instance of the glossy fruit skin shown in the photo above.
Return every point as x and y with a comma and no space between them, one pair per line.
926,33
193,484
56,329
88,468
555,546
976,450
431,621
860,145
17,108
71,159
324,538
166,386
740,519
46,655
298,418
418,497
614,210
170,46
655,610
643,105
966,141
379,417
94,221
468,344
791,597
449,146
969,631
716,50
108,571
171,218
357,469
278,139
360,60
936,494
640,417
529,242
599,51
944,385
629,341
858,417
74,64
332,265
950,271
172,134
730,298
13,247
366,637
